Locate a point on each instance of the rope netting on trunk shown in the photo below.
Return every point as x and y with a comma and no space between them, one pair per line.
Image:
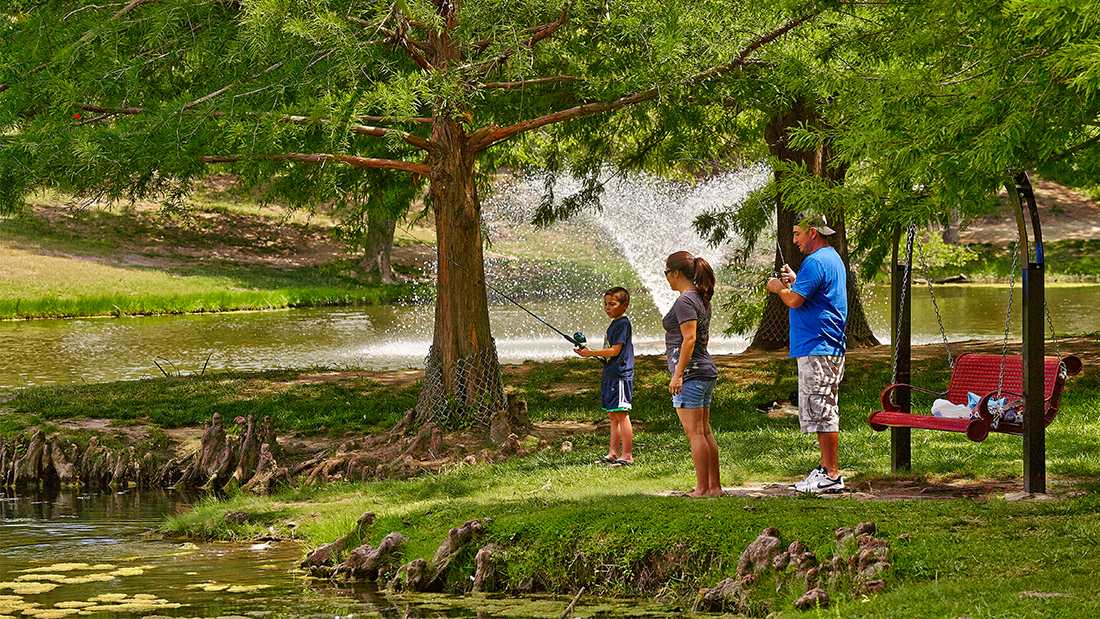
463,395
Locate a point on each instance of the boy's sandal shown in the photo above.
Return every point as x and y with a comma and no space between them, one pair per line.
621,463
605,460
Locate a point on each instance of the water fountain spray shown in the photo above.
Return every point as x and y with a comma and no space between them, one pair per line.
577,339
778,245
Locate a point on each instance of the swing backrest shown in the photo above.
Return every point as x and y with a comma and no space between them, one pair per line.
981,374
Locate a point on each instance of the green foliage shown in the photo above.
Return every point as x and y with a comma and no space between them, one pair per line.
942,104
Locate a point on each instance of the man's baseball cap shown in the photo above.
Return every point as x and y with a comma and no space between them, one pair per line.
808,221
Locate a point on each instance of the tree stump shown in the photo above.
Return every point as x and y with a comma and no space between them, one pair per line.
326,554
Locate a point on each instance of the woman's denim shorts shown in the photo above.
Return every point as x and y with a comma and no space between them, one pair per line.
695,394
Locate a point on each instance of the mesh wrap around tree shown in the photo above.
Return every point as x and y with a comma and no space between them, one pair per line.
464,393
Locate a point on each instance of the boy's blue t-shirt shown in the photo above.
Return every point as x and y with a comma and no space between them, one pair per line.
817,328
621,366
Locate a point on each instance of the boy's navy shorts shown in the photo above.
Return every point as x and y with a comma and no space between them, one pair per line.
616,393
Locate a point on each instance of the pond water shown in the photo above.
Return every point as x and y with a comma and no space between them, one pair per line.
98,555
394,337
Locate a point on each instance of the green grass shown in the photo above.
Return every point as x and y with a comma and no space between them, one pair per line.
307,408
59,263
566,523
1068,260
152,303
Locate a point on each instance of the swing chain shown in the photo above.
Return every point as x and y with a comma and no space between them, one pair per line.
905,286
1053,336
998,414
935,306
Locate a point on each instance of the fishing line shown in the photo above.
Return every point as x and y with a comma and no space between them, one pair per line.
578,340
767,216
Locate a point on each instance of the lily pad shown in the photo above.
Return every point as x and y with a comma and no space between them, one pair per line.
61,567
79,580
28,588
108,597
11,604
40,577
73,604
50,613
208,586
129,571
246,588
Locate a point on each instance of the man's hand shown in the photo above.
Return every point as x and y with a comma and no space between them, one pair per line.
787,275
783,282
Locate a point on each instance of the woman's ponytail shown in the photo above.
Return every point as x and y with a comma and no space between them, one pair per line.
704,280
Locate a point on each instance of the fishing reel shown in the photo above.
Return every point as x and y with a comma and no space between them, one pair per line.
778,274
579,341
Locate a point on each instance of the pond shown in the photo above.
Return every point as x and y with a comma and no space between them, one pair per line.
394,337
75,554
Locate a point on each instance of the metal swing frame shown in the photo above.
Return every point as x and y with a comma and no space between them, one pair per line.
1033,348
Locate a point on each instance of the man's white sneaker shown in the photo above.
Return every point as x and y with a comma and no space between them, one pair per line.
826,485
815,475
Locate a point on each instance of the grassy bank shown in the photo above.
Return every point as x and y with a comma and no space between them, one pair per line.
1074,260
58,261
567,523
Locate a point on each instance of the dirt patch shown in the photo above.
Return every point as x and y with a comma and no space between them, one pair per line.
132,433
1065,214
397,379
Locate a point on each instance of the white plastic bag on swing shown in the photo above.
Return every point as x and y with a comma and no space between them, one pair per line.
944,408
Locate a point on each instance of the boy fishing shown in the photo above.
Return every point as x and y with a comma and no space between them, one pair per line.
617,385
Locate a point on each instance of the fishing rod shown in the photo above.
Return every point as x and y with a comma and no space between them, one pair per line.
578,340
752,193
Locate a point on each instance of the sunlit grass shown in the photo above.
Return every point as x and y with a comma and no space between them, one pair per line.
562,517
568,523
67,263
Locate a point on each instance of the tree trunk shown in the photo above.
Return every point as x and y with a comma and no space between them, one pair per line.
774,330
462,383
379,243
951,230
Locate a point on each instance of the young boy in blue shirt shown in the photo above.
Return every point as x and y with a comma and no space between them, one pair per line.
617,386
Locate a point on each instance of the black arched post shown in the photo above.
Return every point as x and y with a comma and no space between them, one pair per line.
901,457
1034,343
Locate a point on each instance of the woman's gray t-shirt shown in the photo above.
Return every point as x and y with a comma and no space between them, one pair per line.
689,306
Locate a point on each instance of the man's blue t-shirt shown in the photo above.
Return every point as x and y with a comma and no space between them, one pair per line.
817,328
621,366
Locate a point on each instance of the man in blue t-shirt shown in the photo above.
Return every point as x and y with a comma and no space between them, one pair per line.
818,300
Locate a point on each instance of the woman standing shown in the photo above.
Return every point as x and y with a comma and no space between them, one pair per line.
687,332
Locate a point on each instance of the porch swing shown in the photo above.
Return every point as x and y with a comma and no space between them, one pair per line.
1017,394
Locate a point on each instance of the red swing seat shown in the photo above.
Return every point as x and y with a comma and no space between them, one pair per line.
980,373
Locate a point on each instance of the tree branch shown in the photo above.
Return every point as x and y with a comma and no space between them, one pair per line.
532,82
359,162
393,119
1093,141
412,46
981,73
113,111
377,132
226,89
488,136
538,33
